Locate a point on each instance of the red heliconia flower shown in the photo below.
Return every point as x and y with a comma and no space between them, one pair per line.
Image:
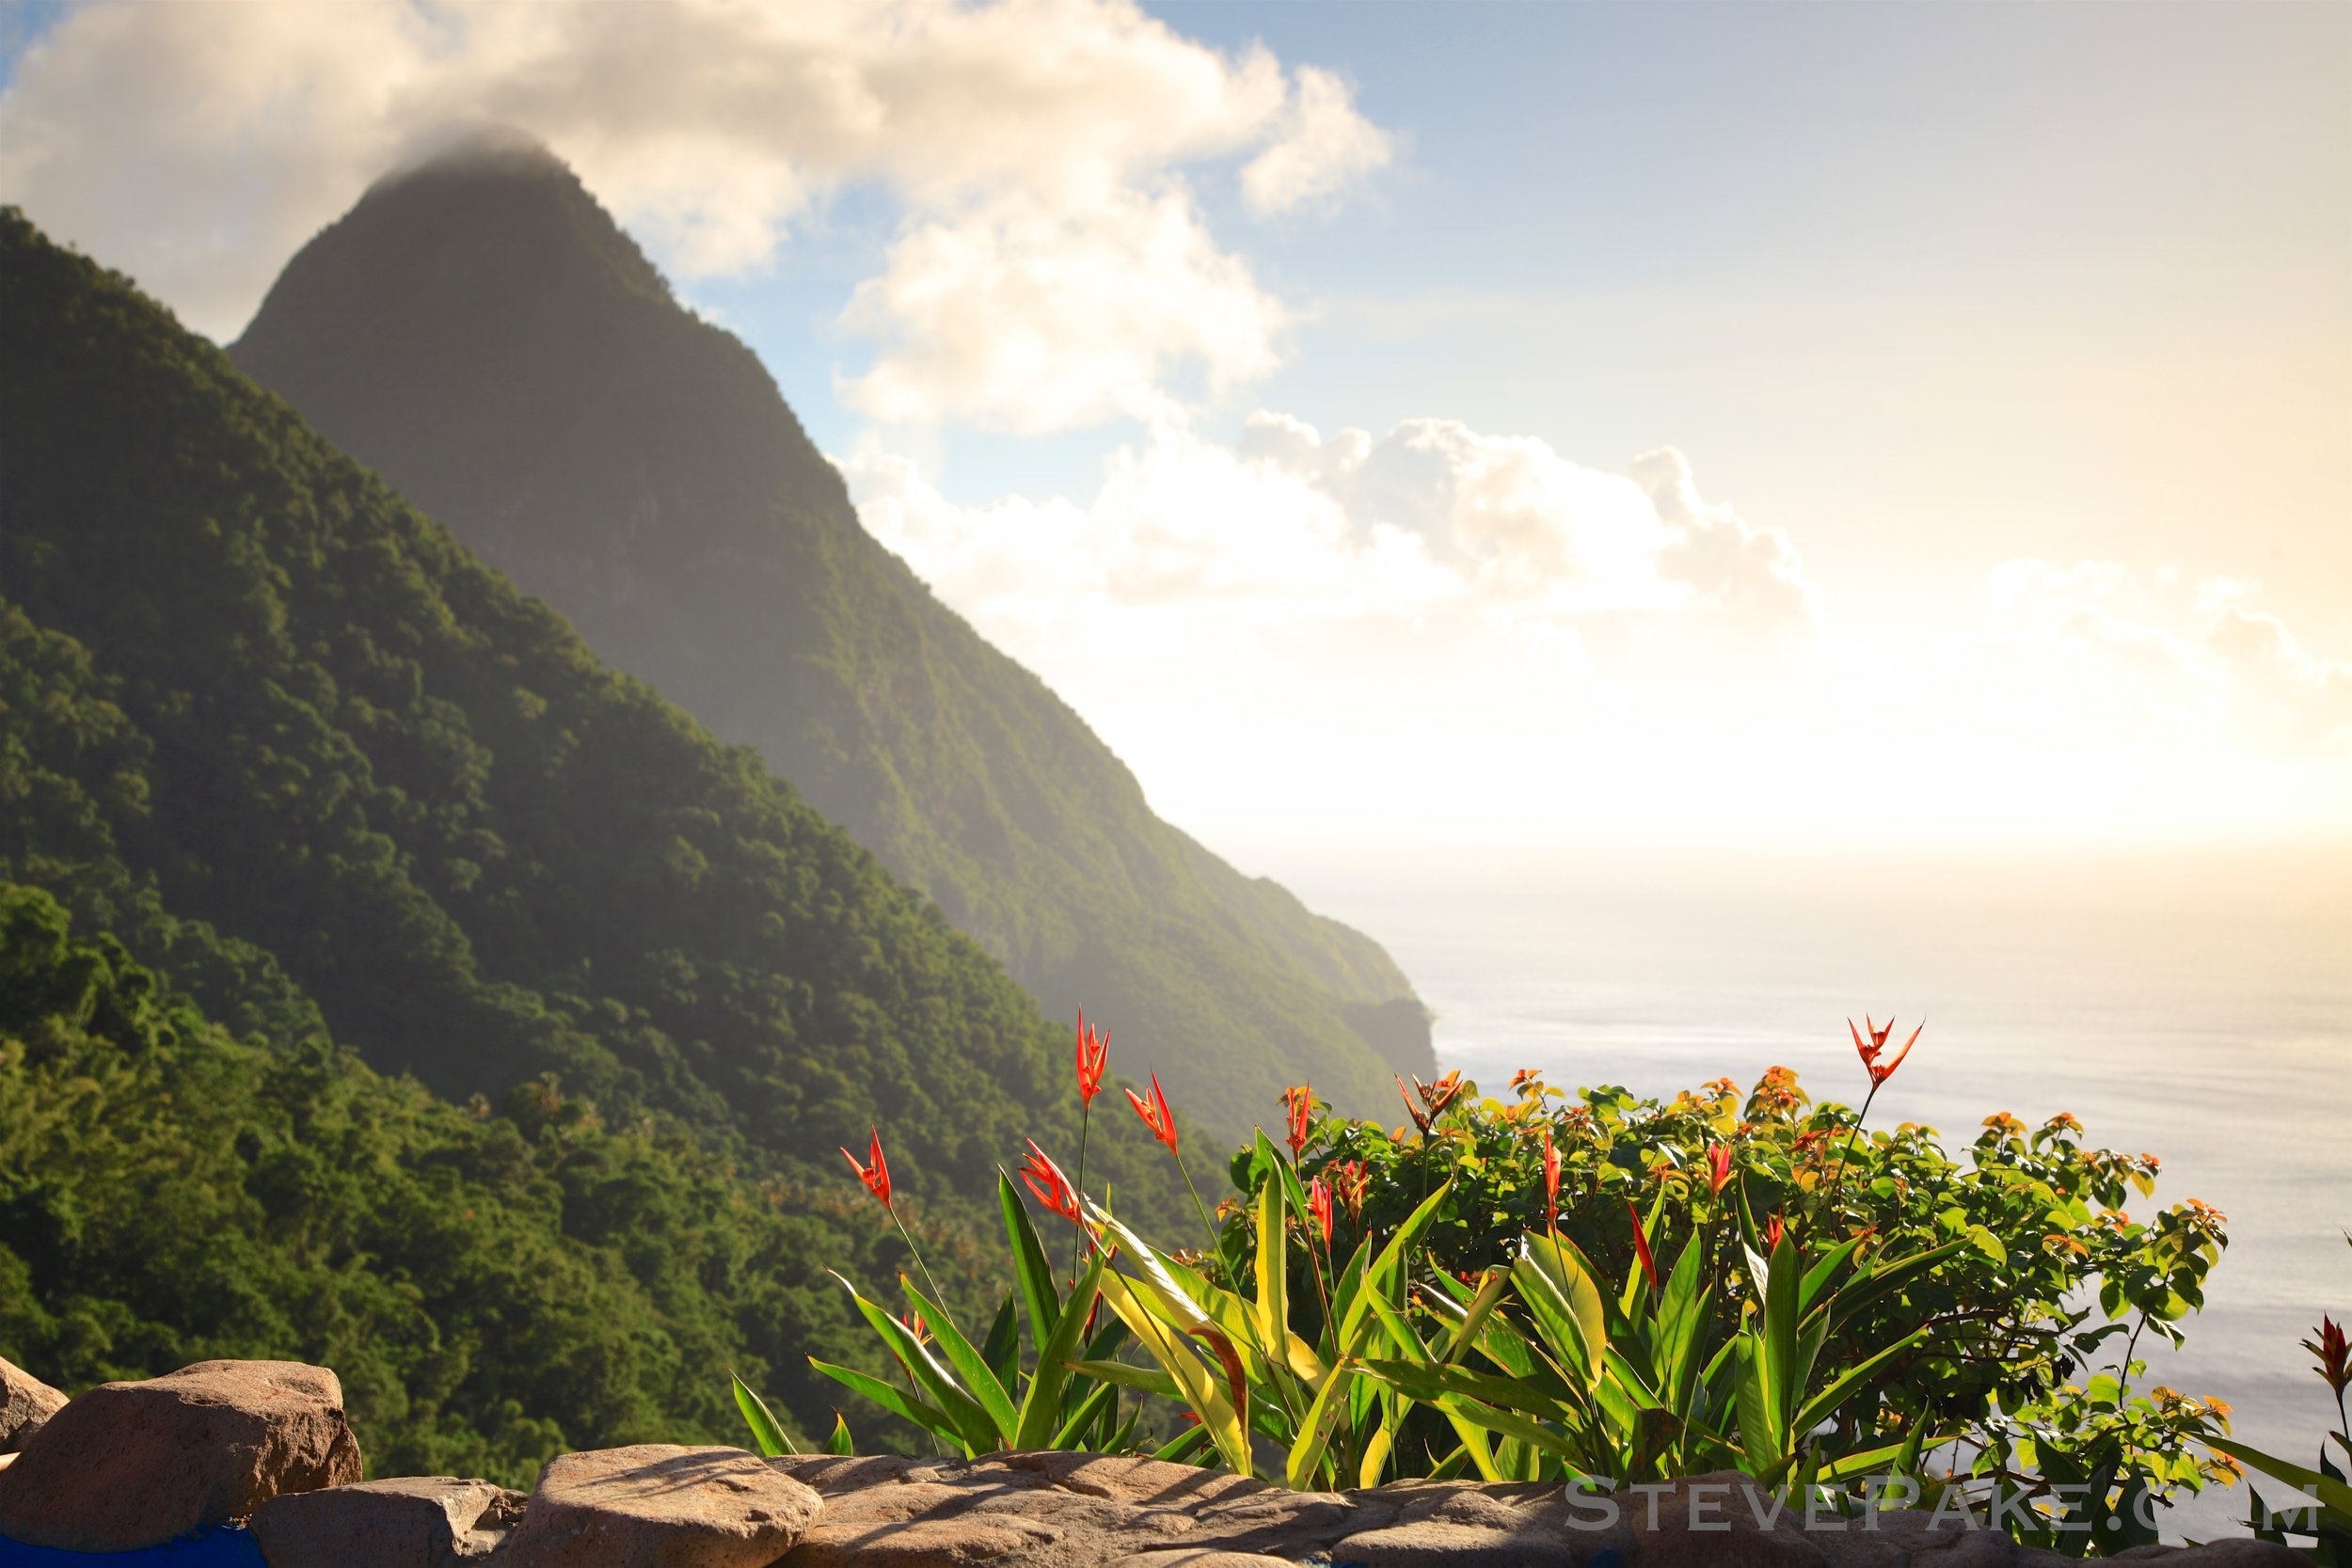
1045,1178
1319,1205
1881,1071
1551,1182
875,1174
1094,1055
1348,1182
1298,1105
1155,1114
1772,1228
912,1323
1718,1169
1641,1244
2334,1353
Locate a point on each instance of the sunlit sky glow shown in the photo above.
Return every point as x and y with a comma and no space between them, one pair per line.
1908,425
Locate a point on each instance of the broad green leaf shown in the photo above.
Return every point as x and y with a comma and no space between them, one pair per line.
1180,1449
1038,1291
1148,1380
1828,1265
1042,1405
1824,1404
767,1434
978,1378
1304,1464
1383,1268
1492,1287
1274,1314
1001,1350
1090,1409
1681,1316
974,1430
2335,1494
1565,1301
1431,1381
1202,1389
838,1442
1376,1455
898,1401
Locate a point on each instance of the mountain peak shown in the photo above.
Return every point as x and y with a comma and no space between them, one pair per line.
473,227
481,332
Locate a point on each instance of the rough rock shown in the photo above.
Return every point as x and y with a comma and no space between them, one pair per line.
415,1522
2238,1552
659,1506
1473,1524
133,1465
25,1402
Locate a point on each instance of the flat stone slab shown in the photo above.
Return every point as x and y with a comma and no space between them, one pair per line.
25,1402
659,1506
413,1522
128,1466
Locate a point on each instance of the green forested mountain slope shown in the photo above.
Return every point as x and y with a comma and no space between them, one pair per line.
494,1287
483,334
292,742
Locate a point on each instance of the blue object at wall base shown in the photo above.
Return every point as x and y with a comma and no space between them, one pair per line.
222,1547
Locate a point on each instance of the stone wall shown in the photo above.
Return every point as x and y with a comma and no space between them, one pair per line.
264,1444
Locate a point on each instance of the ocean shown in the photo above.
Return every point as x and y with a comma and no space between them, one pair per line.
2195,1006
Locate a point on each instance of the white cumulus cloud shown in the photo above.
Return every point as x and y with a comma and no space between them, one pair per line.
2099,647
1042,156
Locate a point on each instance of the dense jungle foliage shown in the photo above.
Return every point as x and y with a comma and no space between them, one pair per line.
493,1285
484,335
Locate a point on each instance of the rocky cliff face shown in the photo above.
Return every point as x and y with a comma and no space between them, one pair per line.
482,333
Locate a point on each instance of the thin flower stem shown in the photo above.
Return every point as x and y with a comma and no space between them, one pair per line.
1217,1248
938,1295
1077,1226
1838,1175
2123,1372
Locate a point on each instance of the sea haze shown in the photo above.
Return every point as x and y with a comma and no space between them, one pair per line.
2196,1006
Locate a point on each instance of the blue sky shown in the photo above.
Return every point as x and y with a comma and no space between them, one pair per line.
2006,350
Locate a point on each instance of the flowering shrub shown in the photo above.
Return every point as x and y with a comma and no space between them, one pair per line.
1551,1286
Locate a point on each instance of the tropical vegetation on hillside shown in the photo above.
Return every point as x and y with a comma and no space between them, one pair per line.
495,1282
245,690
482,333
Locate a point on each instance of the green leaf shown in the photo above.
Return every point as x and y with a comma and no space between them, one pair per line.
1382,1269
1681,1316
1824,1404
1042,1405
1273,1274
1304,1464
838,1442
1181,1448
767,1434
1090,1409
978,1377
894,1398
1147,1379
973,1430
1036,1276
1002,1349
2334,1494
